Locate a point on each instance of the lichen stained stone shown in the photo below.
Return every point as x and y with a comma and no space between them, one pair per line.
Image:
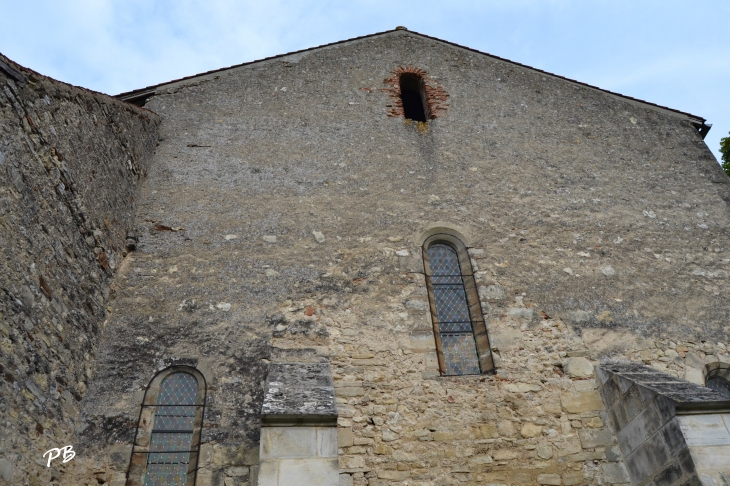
299,393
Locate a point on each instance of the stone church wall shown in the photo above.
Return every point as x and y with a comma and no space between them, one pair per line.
70,165
597,228
283,215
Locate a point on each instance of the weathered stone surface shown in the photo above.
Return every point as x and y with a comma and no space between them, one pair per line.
506,428
580,402
657,444
288,442
7,470
492,292
303,143
694,375
389,436
590,438
345,437
522,387
294,455
71,166
481,460
299,393
579,318
394,475
443,436
506,340
530,430
488,431
572,478
521,313
706,429
578,368
237,472
235,455
615,473
684,395
608,271
351,462
505,455
318,236
551,479
544,451
320,471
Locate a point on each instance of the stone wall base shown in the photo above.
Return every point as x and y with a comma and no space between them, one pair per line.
298,455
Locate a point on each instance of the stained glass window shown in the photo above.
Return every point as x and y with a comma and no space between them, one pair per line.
452,312
172,434
718,383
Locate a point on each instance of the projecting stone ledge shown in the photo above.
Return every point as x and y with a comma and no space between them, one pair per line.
683,395
299,394
299,424
670,431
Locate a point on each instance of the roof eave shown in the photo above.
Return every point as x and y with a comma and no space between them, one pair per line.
139,96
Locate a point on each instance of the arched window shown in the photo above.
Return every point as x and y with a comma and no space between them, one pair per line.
413,97
462,343
167,443
718,379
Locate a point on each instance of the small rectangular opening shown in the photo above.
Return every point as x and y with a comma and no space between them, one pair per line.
413,97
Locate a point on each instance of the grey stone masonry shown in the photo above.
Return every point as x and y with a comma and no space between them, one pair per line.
71,166
299,426
298,455
299,394
708,439
649,411
283,220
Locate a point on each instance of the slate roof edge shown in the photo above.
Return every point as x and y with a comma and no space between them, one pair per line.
23,74
149,90
128,95
674,111
631,371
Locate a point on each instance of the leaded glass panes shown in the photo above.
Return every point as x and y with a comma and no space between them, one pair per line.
719,384
452,311
172,433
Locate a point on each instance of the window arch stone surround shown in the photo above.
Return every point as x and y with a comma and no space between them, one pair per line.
442,236
717,377
143,444
434,97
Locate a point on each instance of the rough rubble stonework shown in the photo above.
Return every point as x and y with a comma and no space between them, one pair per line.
70,166
282,215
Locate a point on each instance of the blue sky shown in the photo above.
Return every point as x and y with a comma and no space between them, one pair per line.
671,52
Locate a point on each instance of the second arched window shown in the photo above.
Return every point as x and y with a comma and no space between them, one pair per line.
719,380
462,344
172,434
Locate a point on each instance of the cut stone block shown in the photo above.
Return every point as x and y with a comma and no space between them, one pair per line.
578,368
299,433
581,402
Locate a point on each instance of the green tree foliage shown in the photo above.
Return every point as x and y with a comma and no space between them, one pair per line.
725,151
